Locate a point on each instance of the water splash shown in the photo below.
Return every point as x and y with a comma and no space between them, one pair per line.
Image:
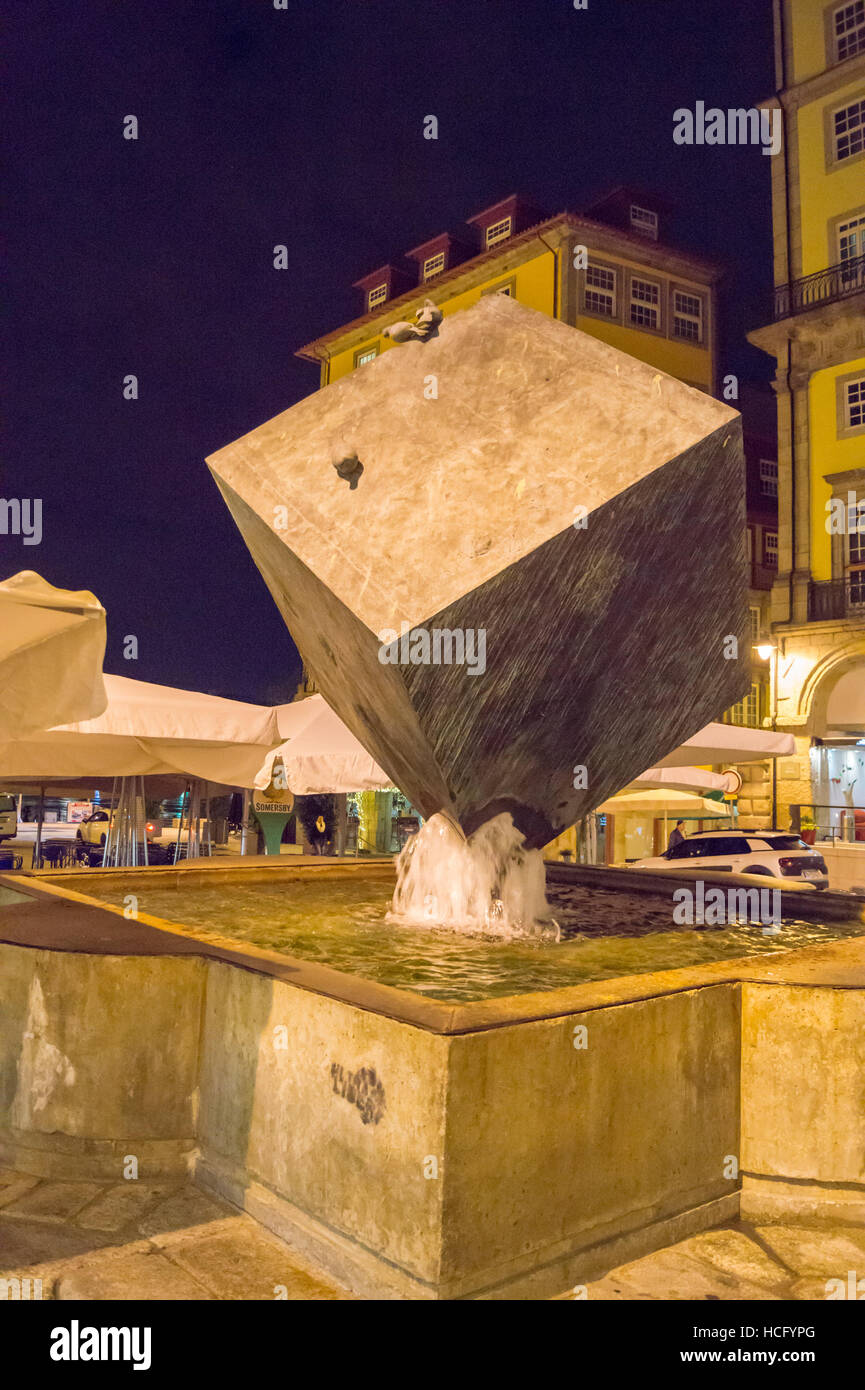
489,884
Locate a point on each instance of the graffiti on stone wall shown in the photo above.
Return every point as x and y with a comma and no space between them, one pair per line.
361,1088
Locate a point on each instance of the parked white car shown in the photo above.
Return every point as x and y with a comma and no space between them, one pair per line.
773,853
93,830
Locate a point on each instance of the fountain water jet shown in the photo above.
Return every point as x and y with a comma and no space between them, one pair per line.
488,884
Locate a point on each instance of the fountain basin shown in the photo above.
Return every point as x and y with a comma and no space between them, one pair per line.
418,1147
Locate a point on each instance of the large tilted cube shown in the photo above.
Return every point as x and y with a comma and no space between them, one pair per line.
607,643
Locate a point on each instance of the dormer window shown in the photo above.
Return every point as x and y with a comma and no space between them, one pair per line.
848,30
433,265
644,221
376,296
498,231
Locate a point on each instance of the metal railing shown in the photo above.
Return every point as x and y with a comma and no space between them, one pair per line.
823,287
836,598
841,824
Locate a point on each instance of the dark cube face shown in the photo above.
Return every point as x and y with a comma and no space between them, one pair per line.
488,652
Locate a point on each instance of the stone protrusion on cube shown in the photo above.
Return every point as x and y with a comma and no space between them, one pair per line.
523,480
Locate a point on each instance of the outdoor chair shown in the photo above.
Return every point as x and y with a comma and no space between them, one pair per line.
56,855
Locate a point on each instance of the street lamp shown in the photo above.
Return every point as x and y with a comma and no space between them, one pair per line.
767,650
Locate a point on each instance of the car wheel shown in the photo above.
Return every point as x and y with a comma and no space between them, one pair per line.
102,840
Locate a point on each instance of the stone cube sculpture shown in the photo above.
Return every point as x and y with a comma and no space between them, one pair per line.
516,478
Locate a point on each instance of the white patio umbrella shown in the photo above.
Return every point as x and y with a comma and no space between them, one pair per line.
660,803
150,730
728,743
320,753
685,779
52,642
665,802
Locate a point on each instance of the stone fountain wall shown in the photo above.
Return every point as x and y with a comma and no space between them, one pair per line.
511,1148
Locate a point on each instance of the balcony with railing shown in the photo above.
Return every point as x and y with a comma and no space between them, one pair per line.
824,287
837,598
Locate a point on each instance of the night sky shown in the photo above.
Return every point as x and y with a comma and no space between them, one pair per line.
302,126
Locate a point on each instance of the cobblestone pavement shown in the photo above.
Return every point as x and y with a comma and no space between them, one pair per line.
169,1240
144,1240
741,1261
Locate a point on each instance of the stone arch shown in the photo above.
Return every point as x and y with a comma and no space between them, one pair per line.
822,678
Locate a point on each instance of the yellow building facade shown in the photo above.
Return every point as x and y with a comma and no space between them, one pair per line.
816,334
617,283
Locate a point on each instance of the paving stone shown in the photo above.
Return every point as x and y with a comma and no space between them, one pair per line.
24,1244
811,1252
733,1252
53,1201
142,1274
671,1275
184,1209
241,1263
123,1204
13,1185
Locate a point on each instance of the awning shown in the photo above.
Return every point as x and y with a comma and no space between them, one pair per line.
52,642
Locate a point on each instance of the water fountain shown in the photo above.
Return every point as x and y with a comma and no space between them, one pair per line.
555,508
433,1113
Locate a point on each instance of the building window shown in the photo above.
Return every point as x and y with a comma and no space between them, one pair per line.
599,296
755,624
849,30
770,549
433,265
768,478
645,303
376,296
749,543
851,236
644,221
365,355
854,402
499,231
856,553
508,287
851,246
848,126
687,316
748,712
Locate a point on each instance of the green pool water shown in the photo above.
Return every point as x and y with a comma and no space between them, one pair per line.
341,923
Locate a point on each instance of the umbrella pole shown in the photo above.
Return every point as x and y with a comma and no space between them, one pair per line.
37,847
207,818
144,822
